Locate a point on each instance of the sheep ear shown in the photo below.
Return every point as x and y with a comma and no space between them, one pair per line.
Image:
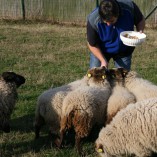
13,77
123,71
8,76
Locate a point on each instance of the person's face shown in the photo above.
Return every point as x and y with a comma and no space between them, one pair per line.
112,21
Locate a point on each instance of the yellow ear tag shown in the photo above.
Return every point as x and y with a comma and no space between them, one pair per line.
103,76
100,150
89,75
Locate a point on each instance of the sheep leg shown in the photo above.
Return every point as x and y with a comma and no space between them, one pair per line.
79,146
38,124
37,130
61,138
56,139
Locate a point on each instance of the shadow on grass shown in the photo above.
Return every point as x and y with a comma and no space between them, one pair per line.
23,124
33,146
23,140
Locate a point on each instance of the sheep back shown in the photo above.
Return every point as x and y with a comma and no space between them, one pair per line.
140,87
132,131
50,102
119,99
85,107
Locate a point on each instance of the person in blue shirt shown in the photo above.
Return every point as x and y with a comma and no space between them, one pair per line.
104,26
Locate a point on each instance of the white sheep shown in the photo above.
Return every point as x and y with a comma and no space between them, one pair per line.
9,82
133,131
85,107
48,109
120,96
140,87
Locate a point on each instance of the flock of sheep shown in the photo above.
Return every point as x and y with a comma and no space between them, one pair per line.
120,102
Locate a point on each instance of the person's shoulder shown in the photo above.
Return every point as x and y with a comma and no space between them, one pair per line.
94,15
126,5
124,1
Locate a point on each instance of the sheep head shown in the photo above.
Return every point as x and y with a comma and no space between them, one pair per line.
98,73
13,78
101,150
118,73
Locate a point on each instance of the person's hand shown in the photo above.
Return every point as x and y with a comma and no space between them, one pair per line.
104,63
140,31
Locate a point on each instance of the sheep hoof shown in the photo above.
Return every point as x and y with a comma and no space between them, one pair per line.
82,154
57,142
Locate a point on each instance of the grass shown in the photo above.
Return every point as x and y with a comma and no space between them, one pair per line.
51,55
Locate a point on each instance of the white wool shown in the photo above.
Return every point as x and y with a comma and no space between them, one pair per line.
87,105
118,100
50,102
141,88
132,131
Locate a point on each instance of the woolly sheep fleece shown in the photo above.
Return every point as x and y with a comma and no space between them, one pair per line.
120,96
9,82
118,100
85,107
132,131
48,109
140,87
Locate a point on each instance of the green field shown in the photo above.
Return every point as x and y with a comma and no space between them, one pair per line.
51,55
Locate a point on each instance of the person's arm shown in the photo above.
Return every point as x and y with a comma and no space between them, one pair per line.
139,19
93,39
97,52
141,25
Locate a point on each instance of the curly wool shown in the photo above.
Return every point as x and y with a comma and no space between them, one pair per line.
120,96
84,108
89,102
140,87
118,100
48,109
132,131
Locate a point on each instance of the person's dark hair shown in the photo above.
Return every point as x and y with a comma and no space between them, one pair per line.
108,9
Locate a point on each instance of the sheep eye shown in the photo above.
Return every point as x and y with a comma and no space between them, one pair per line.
89,75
